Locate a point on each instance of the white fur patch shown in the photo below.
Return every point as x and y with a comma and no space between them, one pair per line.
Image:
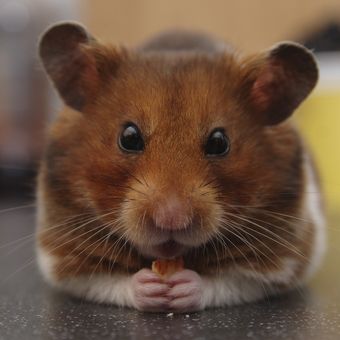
115,289
46,264
228,289
286,274
231,288
314,214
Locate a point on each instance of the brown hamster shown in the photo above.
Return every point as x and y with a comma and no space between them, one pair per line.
178,148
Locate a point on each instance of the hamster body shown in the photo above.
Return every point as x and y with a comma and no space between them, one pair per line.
178,148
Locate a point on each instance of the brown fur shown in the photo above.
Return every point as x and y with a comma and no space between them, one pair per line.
176,100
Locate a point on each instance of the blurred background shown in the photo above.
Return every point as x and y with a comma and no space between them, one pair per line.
28,104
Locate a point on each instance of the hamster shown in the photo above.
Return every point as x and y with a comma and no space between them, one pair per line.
180,147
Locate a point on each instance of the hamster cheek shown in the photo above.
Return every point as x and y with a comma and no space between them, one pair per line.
149,292
186,291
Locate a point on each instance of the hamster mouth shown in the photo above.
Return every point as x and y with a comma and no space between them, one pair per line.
166,250
167,244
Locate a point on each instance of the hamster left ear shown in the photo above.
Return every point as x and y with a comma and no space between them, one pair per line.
76,63
282,78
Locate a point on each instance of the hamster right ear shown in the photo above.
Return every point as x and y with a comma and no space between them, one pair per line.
72,59
279,80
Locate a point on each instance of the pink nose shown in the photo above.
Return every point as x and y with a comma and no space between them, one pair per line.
171,214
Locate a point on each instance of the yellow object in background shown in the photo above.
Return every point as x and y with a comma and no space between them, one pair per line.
319,121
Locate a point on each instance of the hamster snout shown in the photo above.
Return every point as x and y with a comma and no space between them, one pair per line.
167,223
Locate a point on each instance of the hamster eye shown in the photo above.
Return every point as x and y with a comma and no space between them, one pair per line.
131,139
217,144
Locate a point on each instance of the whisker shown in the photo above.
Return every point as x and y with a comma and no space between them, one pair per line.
241,229
25,206
246,258
29,237
111,233
279,227
284,243
113,247
98,242
30,261
78,236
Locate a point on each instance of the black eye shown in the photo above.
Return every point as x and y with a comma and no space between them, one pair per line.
217,144
131,139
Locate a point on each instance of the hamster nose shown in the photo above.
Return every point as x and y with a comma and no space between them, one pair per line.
171,214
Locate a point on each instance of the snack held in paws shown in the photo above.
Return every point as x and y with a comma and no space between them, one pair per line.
180,148
166,268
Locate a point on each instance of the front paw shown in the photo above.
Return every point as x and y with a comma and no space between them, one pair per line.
150,292
186,291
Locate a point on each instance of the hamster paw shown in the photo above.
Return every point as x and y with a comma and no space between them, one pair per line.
186,289
150,292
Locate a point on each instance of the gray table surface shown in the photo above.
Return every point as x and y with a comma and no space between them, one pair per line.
30,309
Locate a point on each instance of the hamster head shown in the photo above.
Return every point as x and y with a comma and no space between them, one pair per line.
174,151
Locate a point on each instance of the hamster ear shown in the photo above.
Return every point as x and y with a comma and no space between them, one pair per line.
68,61
284,77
